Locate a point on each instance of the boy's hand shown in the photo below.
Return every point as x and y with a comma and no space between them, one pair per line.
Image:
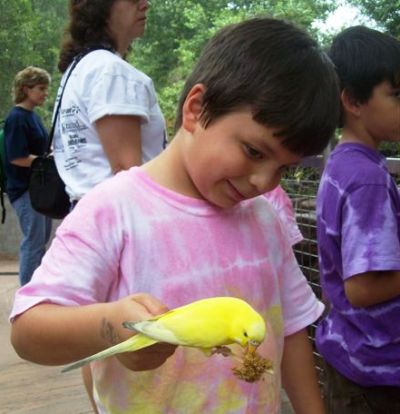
135,308
148,358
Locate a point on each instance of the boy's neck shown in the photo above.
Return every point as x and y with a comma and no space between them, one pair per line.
168,169
355,133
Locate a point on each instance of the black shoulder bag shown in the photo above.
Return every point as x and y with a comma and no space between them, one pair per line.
46,188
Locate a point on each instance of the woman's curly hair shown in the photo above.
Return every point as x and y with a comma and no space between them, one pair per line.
87,28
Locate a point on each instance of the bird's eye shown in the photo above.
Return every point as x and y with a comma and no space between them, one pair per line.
245,334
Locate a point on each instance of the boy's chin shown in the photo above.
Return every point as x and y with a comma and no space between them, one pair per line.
225,204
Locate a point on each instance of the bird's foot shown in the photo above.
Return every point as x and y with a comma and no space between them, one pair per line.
223,350
226,352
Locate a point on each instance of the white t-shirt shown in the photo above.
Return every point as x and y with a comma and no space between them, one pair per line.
131,235
102,84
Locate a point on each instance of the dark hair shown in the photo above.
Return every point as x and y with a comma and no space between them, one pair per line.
87,28
364,58
278,71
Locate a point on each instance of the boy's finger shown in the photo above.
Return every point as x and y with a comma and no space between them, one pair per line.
150,303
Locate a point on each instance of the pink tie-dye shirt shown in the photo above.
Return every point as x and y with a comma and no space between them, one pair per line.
131,235
283,206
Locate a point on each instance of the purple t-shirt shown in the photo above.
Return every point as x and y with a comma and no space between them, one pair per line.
358,213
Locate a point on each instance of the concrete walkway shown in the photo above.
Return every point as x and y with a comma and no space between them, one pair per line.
27,388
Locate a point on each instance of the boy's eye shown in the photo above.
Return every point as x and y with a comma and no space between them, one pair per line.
253,153
396,92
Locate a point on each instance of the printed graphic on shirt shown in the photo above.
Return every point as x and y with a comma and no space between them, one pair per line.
102,84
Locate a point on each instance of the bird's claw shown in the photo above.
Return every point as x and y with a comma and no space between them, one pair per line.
223,350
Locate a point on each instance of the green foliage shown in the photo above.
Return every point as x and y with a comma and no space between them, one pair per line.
385,12
177,31
29,34
16,32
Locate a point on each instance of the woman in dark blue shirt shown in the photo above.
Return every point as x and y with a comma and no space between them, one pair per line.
25,139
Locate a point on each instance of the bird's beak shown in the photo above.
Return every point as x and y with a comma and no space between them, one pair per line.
251,348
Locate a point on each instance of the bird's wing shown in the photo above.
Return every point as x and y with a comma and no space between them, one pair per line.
156,330
134,343
186,327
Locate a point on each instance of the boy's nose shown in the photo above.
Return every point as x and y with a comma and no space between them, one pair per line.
265,180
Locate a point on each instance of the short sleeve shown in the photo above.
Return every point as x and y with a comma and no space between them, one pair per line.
119,90
283,206
15,138
369,239
300,306
81,264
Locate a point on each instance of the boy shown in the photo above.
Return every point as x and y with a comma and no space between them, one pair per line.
358,212
188,225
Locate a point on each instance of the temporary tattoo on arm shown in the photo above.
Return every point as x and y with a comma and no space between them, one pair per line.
109,333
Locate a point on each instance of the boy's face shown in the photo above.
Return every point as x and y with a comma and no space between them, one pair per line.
381,114
235,158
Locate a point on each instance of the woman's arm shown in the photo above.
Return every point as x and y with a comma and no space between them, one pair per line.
299,375
120,136
54,335
24,162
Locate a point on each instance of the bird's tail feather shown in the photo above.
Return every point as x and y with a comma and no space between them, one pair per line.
134,343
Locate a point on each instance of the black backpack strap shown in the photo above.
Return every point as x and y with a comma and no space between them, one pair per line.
76,60
53,125
3,207
2,190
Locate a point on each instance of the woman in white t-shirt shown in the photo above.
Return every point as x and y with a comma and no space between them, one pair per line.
109,118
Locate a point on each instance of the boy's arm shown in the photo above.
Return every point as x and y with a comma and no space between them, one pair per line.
299,375
372,288
50,334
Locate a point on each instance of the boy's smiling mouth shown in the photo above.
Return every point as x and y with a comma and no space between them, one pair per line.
234,193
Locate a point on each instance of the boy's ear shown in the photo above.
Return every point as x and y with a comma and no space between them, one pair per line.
193,107
349,103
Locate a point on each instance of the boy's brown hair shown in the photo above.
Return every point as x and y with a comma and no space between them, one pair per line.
278,71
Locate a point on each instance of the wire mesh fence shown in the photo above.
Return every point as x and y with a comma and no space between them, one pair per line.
303,195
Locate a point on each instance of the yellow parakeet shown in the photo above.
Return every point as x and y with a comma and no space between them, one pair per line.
206,324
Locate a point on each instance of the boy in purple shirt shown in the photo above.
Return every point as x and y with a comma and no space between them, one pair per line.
358,212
